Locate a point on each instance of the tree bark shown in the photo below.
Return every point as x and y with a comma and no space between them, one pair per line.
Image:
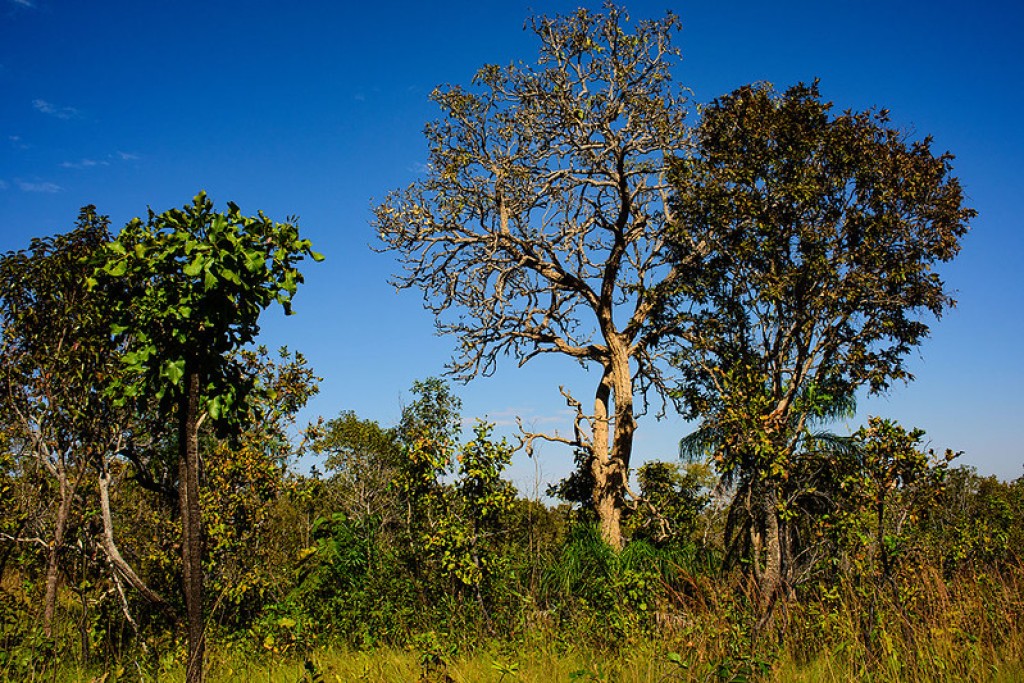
114,554
771,576
191,524
53,555
612,446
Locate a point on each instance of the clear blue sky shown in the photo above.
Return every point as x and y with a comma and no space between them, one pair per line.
316,108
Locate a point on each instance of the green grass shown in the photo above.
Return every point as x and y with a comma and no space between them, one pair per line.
647,662
966,629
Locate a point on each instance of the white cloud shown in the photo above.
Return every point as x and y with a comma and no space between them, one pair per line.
24,3
84,163
48,188
3,184
17,142
53,110
127,156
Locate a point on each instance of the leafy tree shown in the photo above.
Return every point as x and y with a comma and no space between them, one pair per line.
467,536
813,240
892,467
198,281
979,523
57,354
539,227
671,499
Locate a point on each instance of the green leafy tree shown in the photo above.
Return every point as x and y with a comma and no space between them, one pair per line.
672,497
467,536
894,473
805,496
539,227
813,239
57,355
198,281
429,436
978,525
362,461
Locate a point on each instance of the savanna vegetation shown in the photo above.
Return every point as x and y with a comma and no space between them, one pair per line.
752,267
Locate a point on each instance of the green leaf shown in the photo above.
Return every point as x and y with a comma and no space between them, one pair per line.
215,408
254,260
173,371
117,268
194,267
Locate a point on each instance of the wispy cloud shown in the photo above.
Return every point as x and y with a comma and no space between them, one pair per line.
24,3
53,110
127,156
84,163
44,187
509,417
3,185
17,142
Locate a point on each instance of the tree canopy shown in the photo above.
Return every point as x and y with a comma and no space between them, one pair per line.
539,227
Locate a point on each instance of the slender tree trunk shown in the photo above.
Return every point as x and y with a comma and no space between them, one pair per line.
191,524
53,555
883,552
114,554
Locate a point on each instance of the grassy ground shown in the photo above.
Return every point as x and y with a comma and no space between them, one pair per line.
646,663
964,630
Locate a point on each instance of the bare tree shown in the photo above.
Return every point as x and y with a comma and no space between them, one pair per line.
538,227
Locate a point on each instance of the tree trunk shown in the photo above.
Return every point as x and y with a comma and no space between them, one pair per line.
114,554
611,456
771,574
53,556
191,524
883,551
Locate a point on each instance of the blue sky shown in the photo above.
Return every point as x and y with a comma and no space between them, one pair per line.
316,108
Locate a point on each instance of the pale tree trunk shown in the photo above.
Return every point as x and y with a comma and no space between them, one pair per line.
612,446
191,525
114,554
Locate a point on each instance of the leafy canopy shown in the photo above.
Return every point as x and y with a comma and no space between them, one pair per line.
198,281
821,233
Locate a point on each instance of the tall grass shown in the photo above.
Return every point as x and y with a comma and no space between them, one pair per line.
923,628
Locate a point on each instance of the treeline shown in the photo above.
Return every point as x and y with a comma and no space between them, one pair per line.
753,269
409,536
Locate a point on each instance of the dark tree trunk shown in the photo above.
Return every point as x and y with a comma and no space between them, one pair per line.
191,524
53,555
